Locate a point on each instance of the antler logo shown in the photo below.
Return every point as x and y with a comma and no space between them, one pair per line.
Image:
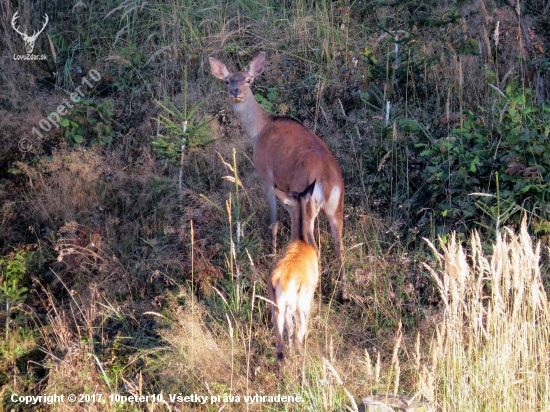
29,40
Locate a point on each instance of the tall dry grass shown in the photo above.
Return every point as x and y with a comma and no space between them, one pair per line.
490,350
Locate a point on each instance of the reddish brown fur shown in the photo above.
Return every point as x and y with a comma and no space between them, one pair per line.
287,139
288,156
293,280
296,266
291,287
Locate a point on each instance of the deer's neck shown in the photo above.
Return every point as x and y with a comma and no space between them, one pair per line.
252,117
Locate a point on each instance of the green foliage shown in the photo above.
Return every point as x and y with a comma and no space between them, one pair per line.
12,282
128,74
180,131
160,186
89,119
239,238
19,339
267,103
344,66
503,151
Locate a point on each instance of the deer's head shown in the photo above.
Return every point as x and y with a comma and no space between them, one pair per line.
238,83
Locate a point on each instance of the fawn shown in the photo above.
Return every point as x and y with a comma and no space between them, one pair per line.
293,279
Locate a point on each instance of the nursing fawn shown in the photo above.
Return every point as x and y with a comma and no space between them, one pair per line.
287,156
293,279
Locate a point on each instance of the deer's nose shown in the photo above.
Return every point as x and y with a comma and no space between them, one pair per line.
235,91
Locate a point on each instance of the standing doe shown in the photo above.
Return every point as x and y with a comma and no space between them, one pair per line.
293,279
289,156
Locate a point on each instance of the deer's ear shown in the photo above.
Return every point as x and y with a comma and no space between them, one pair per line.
218,69
257,65
285,198
306,194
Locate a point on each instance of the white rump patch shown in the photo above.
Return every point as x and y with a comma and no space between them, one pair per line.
332,202
319,196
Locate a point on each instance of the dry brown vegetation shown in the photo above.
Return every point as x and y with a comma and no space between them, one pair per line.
116,280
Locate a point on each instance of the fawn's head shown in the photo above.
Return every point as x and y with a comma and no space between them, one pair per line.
238,83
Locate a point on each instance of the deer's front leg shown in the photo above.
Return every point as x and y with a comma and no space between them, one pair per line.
272,206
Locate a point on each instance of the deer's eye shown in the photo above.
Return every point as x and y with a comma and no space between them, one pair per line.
227,82
248,81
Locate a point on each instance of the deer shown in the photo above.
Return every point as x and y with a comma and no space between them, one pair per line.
29,40
288,156
294,278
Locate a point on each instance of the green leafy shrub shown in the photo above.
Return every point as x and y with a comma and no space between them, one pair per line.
268,104
18,339
504,151
90,120
12,283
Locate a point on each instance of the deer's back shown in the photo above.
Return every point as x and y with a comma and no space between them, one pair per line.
298,268
295,156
